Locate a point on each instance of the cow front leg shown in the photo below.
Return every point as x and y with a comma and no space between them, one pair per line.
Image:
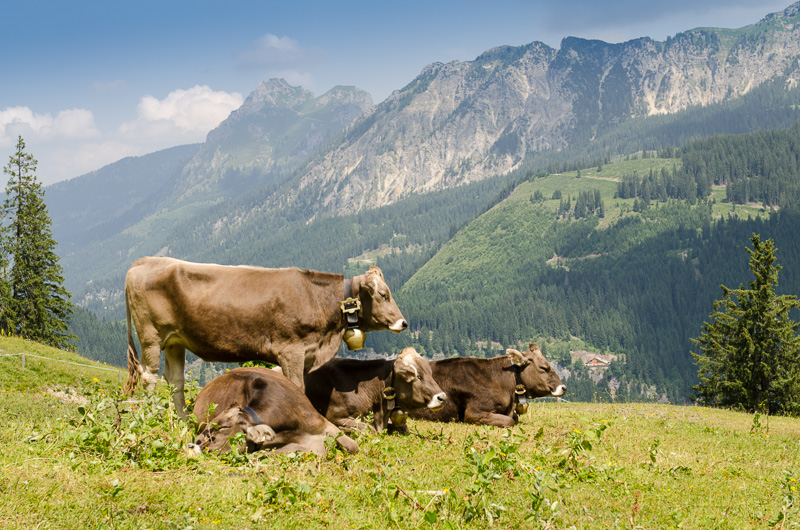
174,362
483,417
292,365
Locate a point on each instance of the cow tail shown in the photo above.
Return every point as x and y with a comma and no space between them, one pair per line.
134,368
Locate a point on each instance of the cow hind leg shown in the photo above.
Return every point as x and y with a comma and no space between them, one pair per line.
151,356
174,362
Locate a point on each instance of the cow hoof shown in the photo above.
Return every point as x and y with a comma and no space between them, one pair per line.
347,444
259,435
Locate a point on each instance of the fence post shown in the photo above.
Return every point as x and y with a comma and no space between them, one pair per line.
23,361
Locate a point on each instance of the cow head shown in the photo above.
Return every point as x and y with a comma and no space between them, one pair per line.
538,377
379,310
414,383
230,423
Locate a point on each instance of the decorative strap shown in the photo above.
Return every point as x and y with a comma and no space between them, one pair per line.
519,390
351,305
389,395
253,415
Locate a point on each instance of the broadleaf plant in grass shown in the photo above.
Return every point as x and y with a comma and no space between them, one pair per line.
750,350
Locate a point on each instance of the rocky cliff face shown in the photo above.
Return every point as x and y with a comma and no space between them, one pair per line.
274,132
464,121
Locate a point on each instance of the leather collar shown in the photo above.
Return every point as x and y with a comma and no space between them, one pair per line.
519,390
350,290
253,415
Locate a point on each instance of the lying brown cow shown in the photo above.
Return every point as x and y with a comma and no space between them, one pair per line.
345,390
268,408
292,317
488,391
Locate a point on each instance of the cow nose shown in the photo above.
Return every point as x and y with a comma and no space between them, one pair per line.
437,401
399,326
559,391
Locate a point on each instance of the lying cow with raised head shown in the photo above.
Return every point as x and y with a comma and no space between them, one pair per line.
346,390
492,391
295,318
271,411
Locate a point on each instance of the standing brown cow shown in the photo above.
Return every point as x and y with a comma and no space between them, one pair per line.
488,391
222,313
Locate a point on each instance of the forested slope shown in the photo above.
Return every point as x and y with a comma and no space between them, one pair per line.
637,281
627,256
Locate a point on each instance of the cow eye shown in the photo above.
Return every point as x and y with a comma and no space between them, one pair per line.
419,377
385,296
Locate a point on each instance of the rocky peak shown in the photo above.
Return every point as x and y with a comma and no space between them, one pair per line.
276,92
346,95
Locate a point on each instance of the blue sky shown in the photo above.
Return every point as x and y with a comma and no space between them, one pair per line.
87,83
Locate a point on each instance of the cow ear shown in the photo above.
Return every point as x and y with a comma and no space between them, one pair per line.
517,358
404,365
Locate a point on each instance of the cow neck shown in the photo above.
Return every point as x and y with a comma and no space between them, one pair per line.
350,289
519,390
388,392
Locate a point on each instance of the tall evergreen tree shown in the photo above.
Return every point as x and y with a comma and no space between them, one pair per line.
40,305
750,350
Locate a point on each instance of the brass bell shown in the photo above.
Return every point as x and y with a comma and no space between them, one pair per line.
354,338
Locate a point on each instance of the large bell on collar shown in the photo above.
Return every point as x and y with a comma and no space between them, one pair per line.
354,338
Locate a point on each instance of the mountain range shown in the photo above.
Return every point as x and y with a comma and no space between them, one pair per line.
333,181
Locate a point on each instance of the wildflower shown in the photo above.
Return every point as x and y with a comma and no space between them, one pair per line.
96,380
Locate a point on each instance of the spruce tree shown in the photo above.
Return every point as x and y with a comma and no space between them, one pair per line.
750,350
40,305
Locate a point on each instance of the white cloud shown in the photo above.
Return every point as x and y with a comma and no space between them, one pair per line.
66,125
183,116
69,144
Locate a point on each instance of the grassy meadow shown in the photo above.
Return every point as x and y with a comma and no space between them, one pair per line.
75,454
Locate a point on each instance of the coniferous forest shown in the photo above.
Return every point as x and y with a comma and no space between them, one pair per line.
625,256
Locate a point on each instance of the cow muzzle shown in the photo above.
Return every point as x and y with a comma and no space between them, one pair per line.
399,326
559,391
437,401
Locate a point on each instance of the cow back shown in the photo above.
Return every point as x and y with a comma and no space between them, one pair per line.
236,313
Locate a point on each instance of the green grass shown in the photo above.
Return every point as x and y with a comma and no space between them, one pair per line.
566,465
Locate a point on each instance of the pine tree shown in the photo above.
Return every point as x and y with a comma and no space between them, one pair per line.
750,350
40,305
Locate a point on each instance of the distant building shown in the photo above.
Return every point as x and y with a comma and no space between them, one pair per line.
596,362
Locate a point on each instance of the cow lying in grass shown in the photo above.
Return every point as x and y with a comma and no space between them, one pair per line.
492,391
271,411
347,390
